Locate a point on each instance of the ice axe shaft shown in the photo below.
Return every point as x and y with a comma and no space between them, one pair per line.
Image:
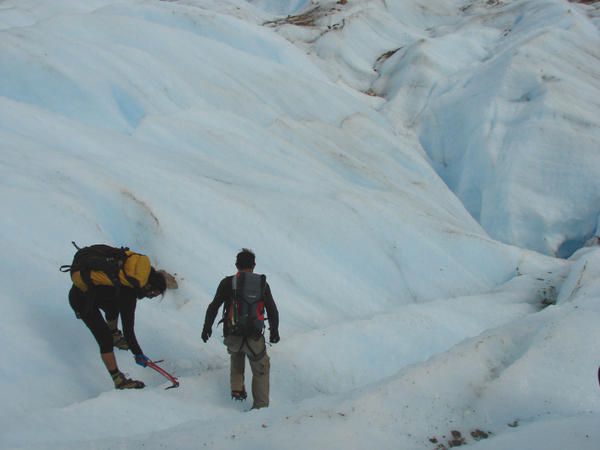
164,373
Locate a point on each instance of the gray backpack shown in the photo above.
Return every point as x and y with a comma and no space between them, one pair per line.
245,314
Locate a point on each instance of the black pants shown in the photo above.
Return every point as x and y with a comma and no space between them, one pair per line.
88,310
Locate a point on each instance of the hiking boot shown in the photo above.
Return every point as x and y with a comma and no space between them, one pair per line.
119,340
257,407
122,382
239,395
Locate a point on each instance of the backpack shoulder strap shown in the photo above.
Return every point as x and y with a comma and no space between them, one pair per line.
263,284
237,282
67,267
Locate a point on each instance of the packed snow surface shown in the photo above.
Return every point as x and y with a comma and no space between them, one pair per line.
418,179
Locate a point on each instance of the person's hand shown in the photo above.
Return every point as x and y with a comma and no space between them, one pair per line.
206,333
274,337
142,360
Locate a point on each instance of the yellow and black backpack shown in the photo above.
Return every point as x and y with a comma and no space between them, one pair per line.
103,265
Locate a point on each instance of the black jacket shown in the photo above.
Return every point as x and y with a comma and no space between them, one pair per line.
224,295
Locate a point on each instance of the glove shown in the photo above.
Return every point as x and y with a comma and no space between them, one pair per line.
274,337
142,360
206,333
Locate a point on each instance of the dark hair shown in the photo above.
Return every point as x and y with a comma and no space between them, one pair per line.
156,281
245,259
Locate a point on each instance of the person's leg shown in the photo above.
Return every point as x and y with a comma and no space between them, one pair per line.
99,328
110,362
238,364
256,350
93,319
112,324
106,302
111,309
119,340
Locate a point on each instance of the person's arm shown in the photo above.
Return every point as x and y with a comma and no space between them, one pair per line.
272,315
127,303
213,308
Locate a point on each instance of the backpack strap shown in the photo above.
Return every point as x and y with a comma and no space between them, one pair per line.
229,302
113,275
263,286
67,267
237,285
123,258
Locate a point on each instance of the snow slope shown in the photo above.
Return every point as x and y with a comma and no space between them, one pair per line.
494,91
372,154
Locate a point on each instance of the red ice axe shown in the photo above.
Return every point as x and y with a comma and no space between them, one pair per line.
164,373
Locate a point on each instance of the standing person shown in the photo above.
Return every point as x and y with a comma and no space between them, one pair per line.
96,287
245,296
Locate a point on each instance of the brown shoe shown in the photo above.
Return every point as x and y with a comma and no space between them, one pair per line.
119,340
122,382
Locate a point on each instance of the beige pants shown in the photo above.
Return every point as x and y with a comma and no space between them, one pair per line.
256,350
